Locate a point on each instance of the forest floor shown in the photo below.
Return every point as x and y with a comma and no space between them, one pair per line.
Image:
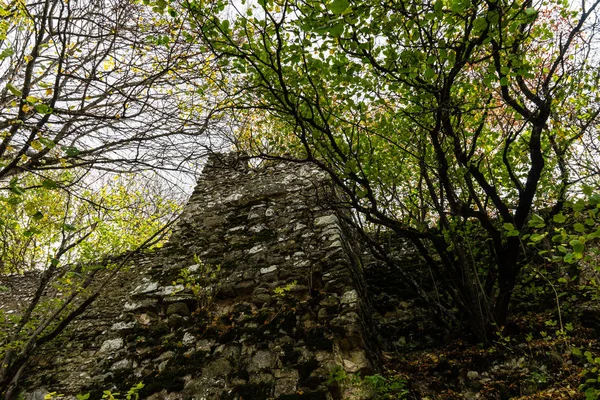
532,358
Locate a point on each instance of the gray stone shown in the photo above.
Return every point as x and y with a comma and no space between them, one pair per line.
268,270
121,326
178,308
322,314
170,290
350,297
122,365
256,249
261,299
188,339
262,379
167,355
204,345
146,288
327,220
140,305
175,321
262,360
111,345
219,368
38,394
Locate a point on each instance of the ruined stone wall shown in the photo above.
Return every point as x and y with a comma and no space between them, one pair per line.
258,294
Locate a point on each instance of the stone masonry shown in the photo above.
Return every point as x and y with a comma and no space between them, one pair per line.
258,294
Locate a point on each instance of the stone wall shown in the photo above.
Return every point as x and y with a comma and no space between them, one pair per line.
259,294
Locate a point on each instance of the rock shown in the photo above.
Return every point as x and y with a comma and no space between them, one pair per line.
268,270
167,355
356,361
326,220
350,297
121,326
175,321
111,345
122,365
262,360
219,368
178,308
38,394
322,314
472,375
204,346
188,339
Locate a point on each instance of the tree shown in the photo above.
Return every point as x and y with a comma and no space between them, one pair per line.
452,123
99,83
69,237
88,87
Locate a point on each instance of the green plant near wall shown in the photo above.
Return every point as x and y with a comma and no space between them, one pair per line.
202,281
132,394
590,374
390,387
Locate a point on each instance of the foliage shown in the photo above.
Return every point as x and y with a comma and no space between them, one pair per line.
132,394
116,217
44,230
392,387
590,375
450,123
382,387
97,92
202,280
282,290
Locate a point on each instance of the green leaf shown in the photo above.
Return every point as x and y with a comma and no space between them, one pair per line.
69,227
47,142
13,187
536,237
429,73
536,221
31,232
37,216
337,30
6,53
559,218
531,12
579,227
70,151
339,6
508,226
504,81
43,108
577,246
13,90
579,205
49,184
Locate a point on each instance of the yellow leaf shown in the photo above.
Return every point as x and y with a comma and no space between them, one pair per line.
28,58
32,99
48,92
26,108
36,145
